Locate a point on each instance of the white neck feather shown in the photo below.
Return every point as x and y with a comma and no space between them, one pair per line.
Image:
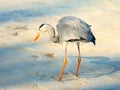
53,37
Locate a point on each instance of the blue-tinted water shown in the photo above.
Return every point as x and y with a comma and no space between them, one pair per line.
39,9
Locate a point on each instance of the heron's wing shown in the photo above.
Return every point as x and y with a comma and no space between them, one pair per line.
73,23
68,21
73,26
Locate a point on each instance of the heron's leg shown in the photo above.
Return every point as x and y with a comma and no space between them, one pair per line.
64,64
79,59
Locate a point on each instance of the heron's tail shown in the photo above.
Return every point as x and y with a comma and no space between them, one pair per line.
93,39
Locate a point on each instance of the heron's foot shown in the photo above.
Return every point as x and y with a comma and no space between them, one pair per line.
76,74
77,68
59,78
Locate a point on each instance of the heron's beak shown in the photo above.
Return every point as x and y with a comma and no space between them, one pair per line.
37,36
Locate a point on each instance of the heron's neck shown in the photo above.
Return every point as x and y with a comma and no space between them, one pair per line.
53,37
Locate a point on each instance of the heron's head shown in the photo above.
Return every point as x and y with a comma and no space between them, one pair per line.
42,28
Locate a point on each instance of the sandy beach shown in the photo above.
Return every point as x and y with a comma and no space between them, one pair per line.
29,65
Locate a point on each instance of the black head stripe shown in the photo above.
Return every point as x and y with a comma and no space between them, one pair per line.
41,25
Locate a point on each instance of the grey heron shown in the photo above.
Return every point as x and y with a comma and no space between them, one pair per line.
69,29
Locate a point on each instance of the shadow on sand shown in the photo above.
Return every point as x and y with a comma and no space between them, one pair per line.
19,67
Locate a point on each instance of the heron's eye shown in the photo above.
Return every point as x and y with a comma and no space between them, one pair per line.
45,31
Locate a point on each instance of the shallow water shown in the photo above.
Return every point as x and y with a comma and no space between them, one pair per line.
24,62
41,8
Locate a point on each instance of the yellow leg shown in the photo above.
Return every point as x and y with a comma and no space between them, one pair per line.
78,65
64,64
79,60
62,69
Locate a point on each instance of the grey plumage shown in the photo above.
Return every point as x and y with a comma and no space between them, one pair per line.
70,29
